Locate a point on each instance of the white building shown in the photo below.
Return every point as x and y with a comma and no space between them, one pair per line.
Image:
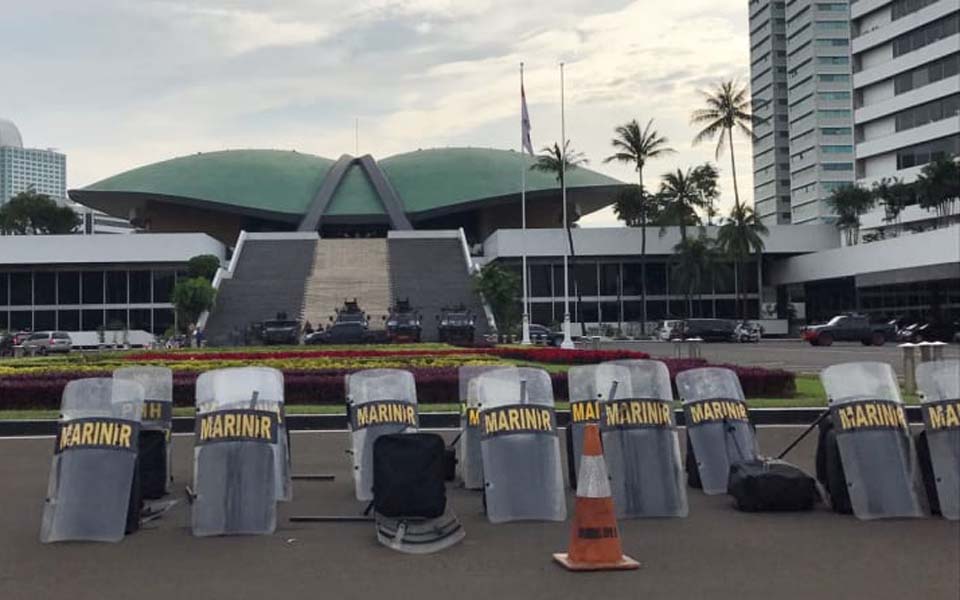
906,63
21,168
820,107
768,86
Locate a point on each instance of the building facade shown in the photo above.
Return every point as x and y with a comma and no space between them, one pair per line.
906,77
21,169
768,86
820,105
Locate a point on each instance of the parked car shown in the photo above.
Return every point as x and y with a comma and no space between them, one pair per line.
849,328
6,344
669,330
541,334
709,330
47,342
280,331
747,332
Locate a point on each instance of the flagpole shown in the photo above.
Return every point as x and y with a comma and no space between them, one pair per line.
523,209
567,340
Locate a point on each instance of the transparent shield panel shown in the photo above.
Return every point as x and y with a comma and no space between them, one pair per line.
523,478
236,475
717,425
92,470
640,441
157,416
939,384
382,401
874,442
470,460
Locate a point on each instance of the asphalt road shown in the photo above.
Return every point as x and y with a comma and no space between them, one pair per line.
792,355
715,553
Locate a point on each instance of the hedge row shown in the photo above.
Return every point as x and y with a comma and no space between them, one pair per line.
435,385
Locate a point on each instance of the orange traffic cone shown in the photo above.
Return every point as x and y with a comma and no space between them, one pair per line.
595,539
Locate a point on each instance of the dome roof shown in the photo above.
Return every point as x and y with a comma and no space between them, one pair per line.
9,134
285,184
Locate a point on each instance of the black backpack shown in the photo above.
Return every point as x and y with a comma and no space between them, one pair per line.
830,468
408,475
771,485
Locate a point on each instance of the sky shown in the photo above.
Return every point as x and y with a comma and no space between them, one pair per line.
117,84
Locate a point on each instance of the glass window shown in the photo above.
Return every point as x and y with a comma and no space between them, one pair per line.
21,320
21,292
4,296
4,320
656,278
610,312
836,149
587,278
837,166
162,320
68,320
45,288
91,319
140,319
631,279
116,319
836,130
610,279
163,282
68,287
117,287
92,282
540,313
140,287
45,320
540,280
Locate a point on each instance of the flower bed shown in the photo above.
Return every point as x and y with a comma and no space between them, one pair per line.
435,384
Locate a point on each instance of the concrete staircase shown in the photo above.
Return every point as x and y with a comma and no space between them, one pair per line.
269,278
346,269
431,270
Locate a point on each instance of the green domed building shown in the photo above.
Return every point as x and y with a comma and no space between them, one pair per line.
222,193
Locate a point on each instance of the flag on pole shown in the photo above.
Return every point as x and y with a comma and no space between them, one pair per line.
525,120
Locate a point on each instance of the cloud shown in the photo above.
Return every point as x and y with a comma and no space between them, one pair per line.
120,83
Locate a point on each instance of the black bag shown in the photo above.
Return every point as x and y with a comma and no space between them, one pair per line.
408,475
771,485
152,456
926,472
830,468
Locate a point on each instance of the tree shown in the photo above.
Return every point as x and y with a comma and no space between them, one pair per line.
894,195
680,197
629,209
728,108
938,186
741,235
500,287
30,213
693,259
204,266
850,202
550,160
191,297
636,147
705,180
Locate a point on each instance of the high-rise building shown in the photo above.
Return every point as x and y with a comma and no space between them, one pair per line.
906,77
768,84
820,105
21,169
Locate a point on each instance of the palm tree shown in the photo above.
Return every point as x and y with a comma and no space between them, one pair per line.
551,160
705,180
728,108
681,198
693,259
894,195
741,235
635,146
850,202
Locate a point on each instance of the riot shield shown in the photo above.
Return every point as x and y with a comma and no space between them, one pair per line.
237,452
640,441
470,460
380,401
718,424
939,382
523,477
873,438
95,456
584,409
156,426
